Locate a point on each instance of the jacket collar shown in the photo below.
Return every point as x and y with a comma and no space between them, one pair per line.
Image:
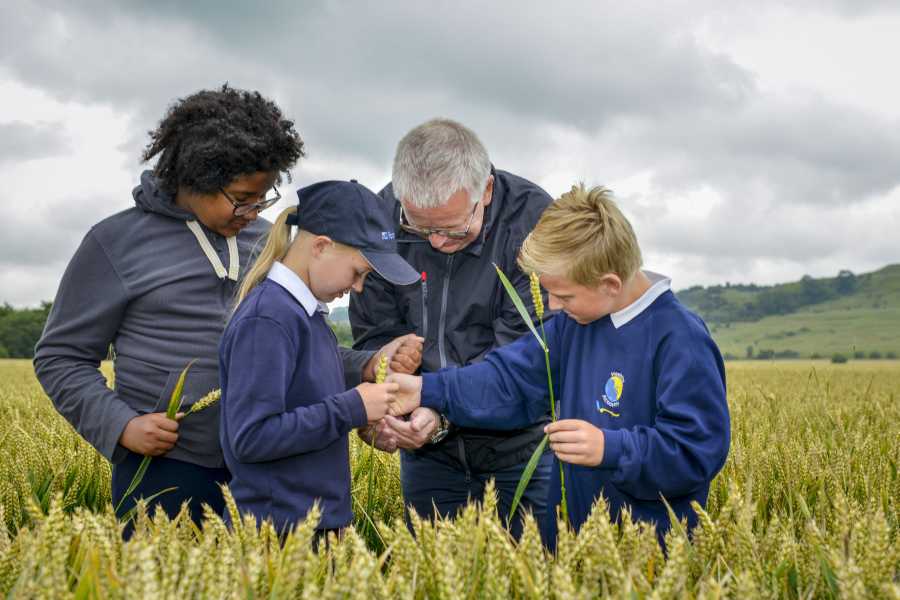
489,219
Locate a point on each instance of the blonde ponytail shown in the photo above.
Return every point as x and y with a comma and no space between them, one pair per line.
277,243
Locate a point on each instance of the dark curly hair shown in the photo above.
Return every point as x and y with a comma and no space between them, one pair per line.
209,138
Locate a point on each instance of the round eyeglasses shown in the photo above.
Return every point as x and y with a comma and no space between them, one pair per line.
245,208
427,232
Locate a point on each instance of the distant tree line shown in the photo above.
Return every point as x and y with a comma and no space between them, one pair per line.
837,357
716,303
20,329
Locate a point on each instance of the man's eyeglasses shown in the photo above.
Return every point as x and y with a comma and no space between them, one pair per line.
426,232
241,209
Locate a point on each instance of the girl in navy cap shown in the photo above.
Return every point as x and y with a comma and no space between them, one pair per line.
286,413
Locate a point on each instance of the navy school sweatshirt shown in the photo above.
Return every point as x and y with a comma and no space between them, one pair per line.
650,377
285,412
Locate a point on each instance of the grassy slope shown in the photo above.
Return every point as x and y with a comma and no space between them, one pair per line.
868,320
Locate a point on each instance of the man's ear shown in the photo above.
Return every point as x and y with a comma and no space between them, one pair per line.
488,191
611,284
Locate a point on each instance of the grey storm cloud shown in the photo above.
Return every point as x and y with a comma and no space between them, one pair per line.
48,235
799,152
629,83
27,141
356,77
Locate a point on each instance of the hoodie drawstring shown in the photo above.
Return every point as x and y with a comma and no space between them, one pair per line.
214,260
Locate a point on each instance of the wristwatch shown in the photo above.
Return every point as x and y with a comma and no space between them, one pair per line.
442,430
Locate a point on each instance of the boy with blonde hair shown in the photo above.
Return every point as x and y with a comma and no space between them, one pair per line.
641,384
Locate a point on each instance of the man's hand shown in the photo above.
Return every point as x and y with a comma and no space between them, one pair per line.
408,395
404,355
408,357
416,432
576,441
384,439
152,434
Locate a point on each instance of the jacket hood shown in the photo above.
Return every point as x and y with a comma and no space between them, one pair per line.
150,197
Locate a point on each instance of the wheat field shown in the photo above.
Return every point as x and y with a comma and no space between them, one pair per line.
807,506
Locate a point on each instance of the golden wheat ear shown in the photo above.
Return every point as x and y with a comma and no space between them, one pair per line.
381,369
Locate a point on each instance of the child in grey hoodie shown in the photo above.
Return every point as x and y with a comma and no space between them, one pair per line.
157,281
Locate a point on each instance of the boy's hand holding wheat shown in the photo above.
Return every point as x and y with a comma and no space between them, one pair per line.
577,442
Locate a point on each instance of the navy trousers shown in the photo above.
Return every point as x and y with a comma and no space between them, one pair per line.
195,484
430,484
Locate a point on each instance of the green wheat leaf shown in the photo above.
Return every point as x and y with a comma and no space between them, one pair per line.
175,399
133,510
520,306
526,475
135,481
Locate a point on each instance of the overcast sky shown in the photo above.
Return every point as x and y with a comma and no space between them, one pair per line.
758,143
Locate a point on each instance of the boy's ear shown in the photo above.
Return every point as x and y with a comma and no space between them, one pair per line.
611,284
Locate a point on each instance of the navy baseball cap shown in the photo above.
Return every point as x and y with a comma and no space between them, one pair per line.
354,215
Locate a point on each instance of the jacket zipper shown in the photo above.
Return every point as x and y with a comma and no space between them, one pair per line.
443,320
425,305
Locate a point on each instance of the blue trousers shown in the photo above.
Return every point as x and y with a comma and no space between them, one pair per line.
430,485
195,485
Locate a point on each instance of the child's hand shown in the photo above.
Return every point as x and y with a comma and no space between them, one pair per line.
576,441
408,396
377,397
151,434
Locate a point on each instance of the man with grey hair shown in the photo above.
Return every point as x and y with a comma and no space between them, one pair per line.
456,216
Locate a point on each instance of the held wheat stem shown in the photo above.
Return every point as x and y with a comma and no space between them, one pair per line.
380,376
562,479
538,301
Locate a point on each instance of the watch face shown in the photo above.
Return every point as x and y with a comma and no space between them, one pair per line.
439,435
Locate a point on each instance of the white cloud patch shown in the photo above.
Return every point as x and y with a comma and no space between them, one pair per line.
27,141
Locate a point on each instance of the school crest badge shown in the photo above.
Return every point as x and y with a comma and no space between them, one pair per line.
612,394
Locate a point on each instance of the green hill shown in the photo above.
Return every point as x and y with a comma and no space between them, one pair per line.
854,315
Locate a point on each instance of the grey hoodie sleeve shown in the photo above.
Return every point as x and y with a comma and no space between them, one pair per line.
84,320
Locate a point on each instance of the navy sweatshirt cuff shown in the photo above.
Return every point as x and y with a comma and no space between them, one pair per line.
431,392
612,448
358,416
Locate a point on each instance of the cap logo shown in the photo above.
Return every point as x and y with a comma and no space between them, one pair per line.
387,235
